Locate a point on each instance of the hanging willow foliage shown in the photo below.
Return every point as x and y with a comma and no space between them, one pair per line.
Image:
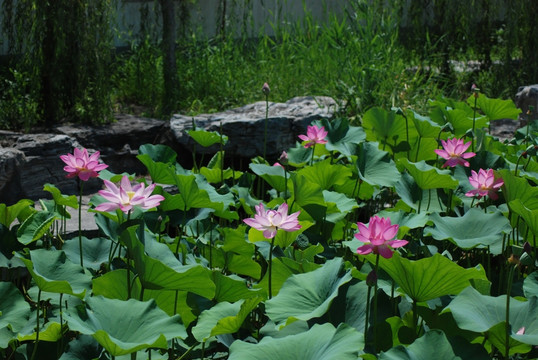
64,48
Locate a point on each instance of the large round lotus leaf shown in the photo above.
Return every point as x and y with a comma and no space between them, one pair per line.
375,166
474,229
307,296
530,285
428,278
223,318
429,177
320,342
95,251
123,327
14,312
433,345
53,272
481,313
341,137
325,174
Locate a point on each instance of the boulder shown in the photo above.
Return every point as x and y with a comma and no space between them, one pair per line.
11,161
244,126
526,97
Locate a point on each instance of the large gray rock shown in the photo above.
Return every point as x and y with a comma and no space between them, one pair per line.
527,97
244,126
119,141
11,161
43,165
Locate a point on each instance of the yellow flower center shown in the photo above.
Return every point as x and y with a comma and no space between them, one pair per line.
130,194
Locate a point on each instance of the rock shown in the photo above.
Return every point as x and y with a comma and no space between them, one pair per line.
244,126
526,97
11,161
43,165
118,142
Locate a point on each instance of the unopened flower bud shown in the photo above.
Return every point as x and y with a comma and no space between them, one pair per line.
524,154
371,278
283,158
266,89
527,248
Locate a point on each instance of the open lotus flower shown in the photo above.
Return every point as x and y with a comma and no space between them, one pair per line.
484,183
82,165
314,135
126,196
454,152
377,237
269,221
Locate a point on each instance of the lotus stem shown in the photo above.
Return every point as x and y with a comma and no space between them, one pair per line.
265,127
507,318
375,303
474,122
270,269
313,152
81,186
34,352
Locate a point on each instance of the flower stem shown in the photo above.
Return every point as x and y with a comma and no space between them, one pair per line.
474,123
265,128
375,303
34,352
271,267
81,186
507,318
313,151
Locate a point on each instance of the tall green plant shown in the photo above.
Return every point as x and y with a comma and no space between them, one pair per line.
65,48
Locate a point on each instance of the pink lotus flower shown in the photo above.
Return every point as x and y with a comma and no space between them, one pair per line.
125,197
377,237
269,221
484,183
314,135
454,152
81,165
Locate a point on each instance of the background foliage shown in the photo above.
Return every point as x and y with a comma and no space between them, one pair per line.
62,65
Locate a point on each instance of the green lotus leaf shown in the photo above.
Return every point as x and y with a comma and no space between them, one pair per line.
530,216
424,126
159,269
383,126
428,278
342,137
516,188
306,192
462,121
405,220
160,172
274,175
530,284
113,285
474,229
320,342
207,138
423,150
84,347
299,156
95,251
429,177
14,312
50,332
231,289
123,327
59,198
53,272
223,318
376,166
8,214
480,313
495,109
325,174
433,345
307,296
35,226
416,198
158,153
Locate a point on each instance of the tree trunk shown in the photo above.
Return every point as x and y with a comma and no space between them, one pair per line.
171,85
